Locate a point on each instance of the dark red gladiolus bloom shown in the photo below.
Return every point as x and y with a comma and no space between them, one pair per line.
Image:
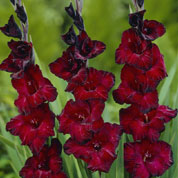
145,159
20,56
96,85
146,80
81,118
21,49
145,126
87,48
145,101
134,50
33,89
33,129
155,74
67,66
11,29
152,29
47,164
131,91
99,152
11,65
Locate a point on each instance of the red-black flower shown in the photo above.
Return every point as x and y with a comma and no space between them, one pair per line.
20,56
145,159
11,29
86,48
47,164
148,125
33,89
81,118
21,49
152,29
34,128
144,101
96,84
148,79
67,66
134,50
133,91
99,152
151,78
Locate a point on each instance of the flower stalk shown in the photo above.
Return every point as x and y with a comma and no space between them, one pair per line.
145,118
82,118
79,6
35,122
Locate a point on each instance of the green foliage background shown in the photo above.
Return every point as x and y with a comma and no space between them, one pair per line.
105,20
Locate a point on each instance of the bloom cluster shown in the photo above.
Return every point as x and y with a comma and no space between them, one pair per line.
144,119
91,140
35,122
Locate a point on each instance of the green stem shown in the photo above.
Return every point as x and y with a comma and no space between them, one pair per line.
83,172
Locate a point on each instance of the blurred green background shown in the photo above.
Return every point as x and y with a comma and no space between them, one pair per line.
105,20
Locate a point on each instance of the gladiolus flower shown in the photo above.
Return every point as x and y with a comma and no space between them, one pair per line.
145,159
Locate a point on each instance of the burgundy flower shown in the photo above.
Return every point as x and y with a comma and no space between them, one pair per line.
145,159
148,125
81,118
134,50
21,49
20,56
137,88
67,66
11,29
152,29
99,152
87,48
155,74
145,101
47,164
96,85
11,65
146,80
33,129
33,89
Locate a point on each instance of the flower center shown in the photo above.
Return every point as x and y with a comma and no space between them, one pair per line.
80,116
97,146
147,31
43,165
146,156
136,47
32,86
90,86
35,123
146,118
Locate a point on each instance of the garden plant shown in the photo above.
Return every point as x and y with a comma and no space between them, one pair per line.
68,119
